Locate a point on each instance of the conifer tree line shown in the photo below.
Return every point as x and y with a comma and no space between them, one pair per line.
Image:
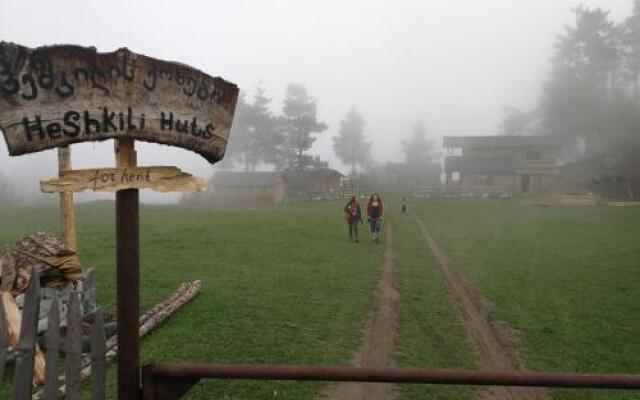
261,138
590,97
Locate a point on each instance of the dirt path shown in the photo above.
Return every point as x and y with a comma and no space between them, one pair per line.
495,342
379,337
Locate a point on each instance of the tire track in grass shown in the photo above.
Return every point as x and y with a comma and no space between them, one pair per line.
379,337
494,342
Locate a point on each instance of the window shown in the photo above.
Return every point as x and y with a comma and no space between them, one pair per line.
486,180
533,155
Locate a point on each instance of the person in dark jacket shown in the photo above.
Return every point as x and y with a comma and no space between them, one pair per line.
375,213
353,216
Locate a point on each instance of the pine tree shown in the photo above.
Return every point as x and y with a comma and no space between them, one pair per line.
239,137
632,48
255,137
350,145
299,123
267,138
418,150
585,79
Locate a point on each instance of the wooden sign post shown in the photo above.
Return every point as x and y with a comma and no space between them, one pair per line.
67,212
51,97
128,275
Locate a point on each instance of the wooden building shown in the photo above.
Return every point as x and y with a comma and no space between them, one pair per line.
229,188
313,183
426,174
501,165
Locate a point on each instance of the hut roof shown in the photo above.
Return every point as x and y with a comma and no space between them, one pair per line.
246,178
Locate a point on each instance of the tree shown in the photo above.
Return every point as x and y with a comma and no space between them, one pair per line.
317,163
254,135
418,150
298,124
516,122
585,79
631,40
591,96
239,137
267,137
350,145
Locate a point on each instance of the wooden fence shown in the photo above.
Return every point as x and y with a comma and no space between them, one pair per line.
28,372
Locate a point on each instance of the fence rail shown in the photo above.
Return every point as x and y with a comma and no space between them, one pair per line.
170,381
26,348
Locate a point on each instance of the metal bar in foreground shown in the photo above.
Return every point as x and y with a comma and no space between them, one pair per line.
392,375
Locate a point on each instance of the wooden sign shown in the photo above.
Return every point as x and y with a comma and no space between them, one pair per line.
161,179
57,95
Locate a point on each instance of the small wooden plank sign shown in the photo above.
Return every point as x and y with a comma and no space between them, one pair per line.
161,179
58,95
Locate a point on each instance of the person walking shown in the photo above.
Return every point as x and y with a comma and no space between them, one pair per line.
353,215
375,213
404,205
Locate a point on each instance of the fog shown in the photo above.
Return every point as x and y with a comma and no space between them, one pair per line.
452,64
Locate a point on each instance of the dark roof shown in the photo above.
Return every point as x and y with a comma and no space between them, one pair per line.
481,165
499,141
312,173
303,180
414,169
245,178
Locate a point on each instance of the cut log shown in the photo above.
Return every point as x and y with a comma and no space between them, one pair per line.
4,341
148,321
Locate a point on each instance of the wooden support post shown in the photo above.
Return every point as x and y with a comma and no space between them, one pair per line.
128,278
67,213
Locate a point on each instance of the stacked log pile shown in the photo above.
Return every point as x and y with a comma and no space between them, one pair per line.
57,265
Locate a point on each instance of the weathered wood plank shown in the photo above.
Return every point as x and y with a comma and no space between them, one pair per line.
24,370
4,340
58,95
148,321
161,179
73,341
52,334
14,321
98,358
89,303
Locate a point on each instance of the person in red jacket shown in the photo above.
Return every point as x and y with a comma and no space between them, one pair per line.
353,216
375,213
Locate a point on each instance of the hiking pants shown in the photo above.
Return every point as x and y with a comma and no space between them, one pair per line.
353,227
376,224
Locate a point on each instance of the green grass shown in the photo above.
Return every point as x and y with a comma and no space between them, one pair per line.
430,334
567,278
283,285
279,285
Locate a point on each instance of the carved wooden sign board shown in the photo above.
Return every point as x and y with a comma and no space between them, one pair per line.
58,95
160,179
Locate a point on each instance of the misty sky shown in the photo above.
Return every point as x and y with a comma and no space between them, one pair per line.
453,64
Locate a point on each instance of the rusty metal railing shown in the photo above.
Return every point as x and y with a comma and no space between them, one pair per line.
172,380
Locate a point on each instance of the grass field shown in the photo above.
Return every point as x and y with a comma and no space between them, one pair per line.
283,285
567,278
430,334
279,286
